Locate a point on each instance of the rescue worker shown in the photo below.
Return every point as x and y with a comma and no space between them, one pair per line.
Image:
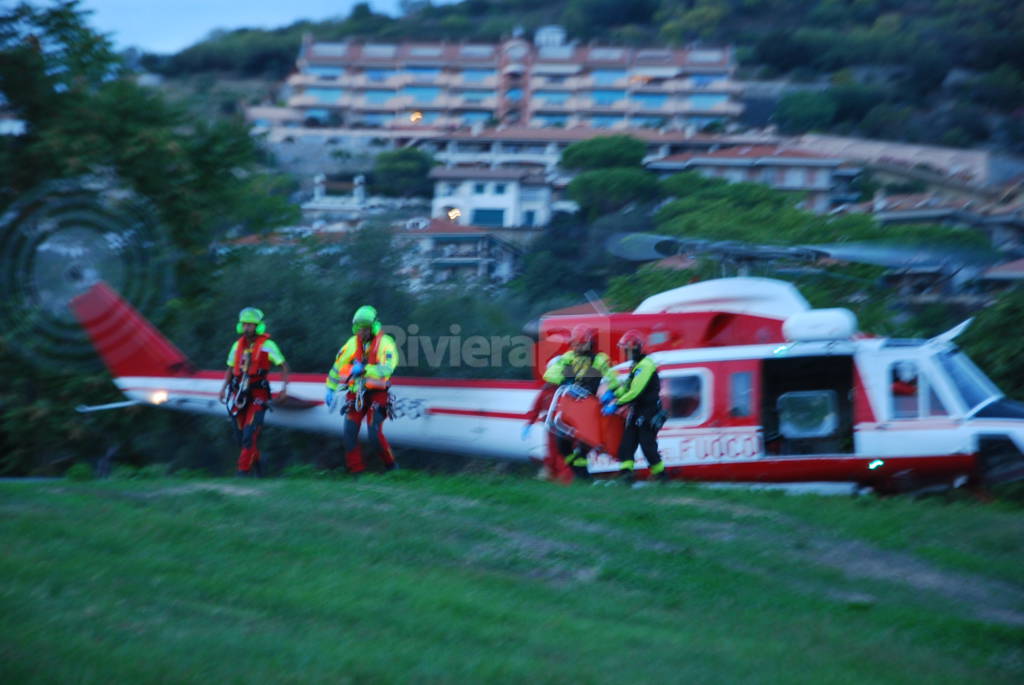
246,390
642,394
363,366
585,367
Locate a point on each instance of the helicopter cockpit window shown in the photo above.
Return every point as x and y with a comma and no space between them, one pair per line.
681,395
935,405
904,390
808,414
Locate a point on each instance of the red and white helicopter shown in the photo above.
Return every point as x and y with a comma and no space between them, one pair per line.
759,387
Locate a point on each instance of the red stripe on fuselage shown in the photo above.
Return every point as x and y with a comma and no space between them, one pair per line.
414,381
478,412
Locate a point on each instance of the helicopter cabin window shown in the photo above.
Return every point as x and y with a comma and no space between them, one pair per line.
808,414
904,390
682,395
911,395
741,394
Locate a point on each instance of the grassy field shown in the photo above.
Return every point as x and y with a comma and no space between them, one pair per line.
417,578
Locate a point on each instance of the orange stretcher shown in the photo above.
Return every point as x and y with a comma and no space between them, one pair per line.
581,418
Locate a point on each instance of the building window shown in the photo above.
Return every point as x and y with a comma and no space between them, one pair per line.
551,97
604,121
552,119
529,217
425,74
488,217
379,75
794,178
514,94
379,97
476,95
607,97
376,118
320,115
422,94
648,122
476,75
707,79
499,188
607,77
475,117
325,95
706,101
650,100
324,72
479,188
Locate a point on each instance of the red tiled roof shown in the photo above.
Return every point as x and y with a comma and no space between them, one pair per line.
576,133
751,152
501,174
1010,271
443,226
583,308
676,262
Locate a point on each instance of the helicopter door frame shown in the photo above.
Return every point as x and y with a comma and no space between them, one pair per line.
807,405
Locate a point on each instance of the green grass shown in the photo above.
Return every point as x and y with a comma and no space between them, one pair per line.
416,578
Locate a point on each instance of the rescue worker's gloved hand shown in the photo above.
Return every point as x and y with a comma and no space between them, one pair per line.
607,396
358,369
609,408
329,398
525,432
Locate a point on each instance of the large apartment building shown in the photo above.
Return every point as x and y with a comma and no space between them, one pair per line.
545,83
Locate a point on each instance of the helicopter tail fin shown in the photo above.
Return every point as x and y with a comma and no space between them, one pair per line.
128,344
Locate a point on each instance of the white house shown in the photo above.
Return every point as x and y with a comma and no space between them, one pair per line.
823,180
496,198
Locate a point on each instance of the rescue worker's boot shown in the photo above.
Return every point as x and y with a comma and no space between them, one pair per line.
626,476
658,473
577,461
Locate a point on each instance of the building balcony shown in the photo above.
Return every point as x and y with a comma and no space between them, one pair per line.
313,80
541,104
456,100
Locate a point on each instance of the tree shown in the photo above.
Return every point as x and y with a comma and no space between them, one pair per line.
403,172
85,116
603,191
805,111
987,342
604,152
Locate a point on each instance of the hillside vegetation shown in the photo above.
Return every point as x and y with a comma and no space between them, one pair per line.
488,579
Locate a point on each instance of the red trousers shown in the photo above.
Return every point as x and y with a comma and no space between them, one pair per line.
558,470
374,410
248,424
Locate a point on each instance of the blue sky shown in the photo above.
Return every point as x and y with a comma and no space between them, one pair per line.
167,26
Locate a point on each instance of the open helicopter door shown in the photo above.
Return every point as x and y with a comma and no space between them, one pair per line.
807,405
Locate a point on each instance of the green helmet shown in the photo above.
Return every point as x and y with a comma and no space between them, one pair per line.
365,316
251,315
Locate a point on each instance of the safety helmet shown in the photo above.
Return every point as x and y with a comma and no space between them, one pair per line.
583,336
631,340
365,316
251,315
906,372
